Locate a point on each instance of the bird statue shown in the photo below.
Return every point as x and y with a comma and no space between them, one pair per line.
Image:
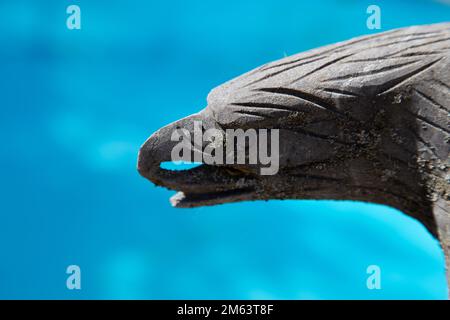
367,119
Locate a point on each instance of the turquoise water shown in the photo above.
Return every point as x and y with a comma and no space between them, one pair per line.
77,104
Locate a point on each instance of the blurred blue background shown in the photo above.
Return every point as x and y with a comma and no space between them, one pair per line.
77,104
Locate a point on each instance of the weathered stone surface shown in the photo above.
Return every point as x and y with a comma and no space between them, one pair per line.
366,119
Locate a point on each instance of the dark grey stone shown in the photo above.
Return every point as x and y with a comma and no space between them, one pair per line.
366,119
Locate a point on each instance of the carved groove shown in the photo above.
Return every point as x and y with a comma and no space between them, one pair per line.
392,84
321,67
310,98
316,56
265,106
282,71
341,92
430,100
371,72
427,121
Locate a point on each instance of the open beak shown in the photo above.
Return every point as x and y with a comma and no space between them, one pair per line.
201,186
